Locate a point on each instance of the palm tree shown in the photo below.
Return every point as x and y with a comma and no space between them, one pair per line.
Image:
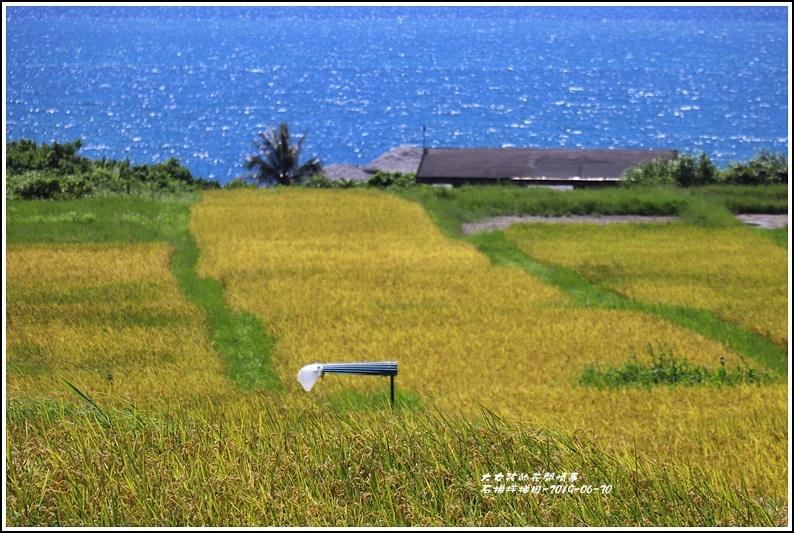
277,160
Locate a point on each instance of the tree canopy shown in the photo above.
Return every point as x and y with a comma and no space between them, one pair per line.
277,160
57,172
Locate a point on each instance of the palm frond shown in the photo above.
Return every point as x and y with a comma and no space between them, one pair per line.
278,158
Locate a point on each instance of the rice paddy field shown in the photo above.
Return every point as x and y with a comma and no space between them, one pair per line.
728,271
151,379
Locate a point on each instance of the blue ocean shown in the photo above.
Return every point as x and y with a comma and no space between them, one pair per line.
199,83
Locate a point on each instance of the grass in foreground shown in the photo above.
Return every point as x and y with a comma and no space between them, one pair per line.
253,463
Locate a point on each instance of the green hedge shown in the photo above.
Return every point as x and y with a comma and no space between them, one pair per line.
56,172
765,168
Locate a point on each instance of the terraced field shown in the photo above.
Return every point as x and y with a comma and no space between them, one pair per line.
110,319
730,271
360,276
124,406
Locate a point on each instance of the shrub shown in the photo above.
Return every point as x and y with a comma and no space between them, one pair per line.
764,169
318,181
32,185
207,185
240,183
56,172
25,155
665,369
706,171
385,180
649,173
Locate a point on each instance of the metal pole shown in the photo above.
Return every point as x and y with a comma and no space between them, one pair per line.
392,391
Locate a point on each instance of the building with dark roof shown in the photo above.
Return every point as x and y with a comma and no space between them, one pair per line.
531,166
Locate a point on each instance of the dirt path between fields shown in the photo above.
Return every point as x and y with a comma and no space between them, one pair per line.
499,223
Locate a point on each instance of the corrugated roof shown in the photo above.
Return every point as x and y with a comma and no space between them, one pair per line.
531,163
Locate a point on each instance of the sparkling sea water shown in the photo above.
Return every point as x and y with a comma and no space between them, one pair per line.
198,83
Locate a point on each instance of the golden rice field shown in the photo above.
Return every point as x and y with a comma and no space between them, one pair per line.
729,271
357,275
86,312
